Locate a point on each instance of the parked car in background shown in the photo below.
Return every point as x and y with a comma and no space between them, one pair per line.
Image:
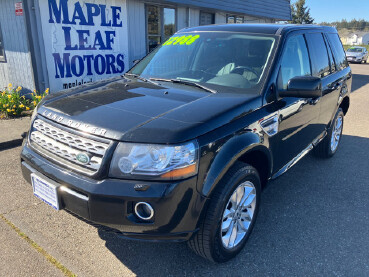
181,146
357,54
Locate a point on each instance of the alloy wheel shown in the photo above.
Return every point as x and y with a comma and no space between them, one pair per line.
336,133
238,215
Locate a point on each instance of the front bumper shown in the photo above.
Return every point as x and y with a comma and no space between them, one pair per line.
109,202
355,59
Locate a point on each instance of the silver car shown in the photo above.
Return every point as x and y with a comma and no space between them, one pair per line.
357,54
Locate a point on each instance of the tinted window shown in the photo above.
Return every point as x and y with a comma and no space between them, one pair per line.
338,52
226,61
331,58
295,61
319,55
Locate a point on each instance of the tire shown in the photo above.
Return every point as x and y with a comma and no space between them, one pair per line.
209,241
326,148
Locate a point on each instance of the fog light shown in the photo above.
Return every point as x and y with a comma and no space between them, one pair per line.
144,211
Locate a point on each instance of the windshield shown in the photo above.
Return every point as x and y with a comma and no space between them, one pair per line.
355,50
233,62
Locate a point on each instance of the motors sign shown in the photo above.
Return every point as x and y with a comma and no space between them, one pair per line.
83,41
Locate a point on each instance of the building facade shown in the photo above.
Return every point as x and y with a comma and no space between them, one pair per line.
65,43
357,38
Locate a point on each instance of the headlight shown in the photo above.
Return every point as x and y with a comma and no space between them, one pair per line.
153,161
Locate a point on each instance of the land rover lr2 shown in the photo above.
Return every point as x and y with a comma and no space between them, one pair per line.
180,147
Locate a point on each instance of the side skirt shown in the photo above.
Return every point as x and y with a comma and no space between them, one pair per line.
302,154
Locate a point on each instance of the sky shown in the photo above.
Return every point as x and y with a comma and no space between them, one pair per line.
335,10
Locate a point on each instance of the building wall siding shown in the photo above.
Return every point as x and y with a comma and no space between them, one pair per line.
136,30
220,18
182,21
275,9
18,67
194,17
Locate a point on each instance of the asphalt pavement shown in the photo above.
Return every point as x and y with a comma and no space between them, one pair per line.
314,220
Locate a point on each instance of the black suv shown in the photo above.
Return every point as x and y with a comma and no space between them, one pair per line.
181,146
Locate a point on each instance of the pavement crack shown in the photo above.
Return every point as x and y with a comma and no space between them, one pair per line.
38,248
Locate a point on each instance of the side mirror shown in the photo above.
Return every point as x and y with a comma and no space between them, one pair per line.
303,87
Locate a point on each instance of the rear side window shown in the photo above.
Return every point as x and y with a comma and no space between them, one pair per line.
338,52
318,54
331,59
295,61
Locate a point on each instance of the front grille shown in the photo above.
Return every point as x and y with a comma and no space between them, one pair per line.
57,143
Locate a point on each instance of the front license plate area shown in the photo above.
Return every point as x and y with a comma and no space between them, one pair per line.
45,190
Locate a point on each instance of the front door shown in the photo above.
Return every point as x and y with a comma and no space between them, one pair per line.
298,117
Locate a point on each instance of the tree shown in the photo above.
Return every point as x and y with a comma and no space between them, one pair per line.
300,13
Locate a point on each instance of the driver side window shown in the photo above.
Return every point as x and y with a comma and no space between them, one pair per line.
295,61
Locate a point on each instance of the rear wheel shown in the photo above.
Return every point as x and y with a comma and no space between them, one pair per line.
329,145
231,215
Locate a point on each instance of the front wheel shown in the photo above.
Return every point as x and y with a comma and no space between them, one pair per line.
231,215
329,145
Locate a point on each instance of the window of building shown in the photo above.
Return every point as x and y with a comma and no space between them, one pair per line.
319,54
160,25
295,61
207,18
235,19
2,50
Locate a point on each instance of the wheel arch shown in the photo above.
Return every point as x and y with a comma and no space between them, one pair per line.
249,148
345,104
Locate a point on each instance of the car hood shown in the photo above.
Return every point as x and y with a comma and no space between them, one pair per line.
137,111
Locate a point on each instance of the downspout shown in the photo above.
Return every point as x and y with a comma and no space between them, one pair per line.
31,48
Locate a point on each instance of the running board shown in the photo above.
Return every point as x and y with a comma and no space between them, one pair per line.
300,156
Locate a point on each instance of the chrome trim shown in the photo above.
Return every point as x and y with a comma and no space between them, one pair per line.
302,154
293,161
74,193
63,150
270,125
70,139
63,146
150,209
319,139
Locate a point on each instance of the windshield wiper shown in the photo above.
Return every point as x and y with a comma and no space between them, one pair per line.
179,81
139,77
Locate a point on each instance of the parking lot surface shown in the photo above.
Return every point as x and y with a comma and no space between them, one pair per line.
313,220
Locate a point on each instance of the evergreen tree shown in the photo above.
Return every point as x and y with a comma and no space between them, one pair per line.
301,13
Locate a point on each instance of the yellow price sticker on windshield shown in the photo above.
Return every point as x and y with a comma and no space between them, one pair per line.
182,40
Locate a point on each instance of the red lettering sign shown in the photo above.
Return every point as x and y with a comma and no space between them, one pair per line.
19,8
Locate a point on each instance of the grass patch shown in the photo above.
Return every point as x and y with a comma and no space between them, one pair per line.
38,248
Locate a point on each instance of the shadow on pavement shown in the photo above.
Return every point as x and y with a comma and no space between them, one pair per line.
10,144
359,80
313,220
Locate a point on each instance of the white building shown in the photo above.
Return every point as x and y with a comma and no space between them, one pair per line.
357,38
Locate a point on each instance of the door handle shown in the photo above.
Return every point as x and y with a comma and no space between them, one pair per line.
314,101
336,86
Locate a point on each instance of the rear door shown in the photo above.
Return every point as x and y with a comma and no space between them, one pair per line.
325,67
322,67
